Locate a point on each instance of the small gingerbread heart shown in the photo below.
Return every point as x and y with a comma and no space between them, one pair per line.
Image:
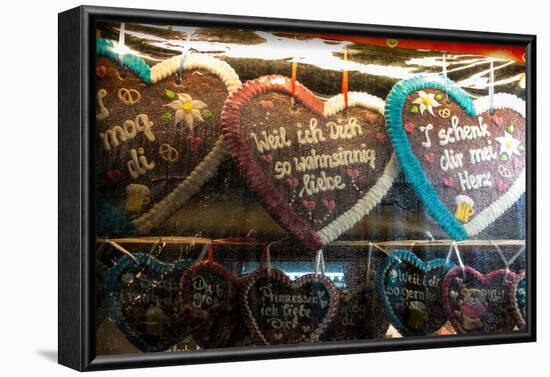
142,295
208,294
478,303
519,299
280,311
411,292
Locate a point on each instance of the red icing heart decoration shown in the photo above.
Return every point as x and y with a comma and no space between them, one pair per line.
100,71
194,142
408,127
448,181
267,158
477,303
277,310
429,157
309,204
330,204
499,121
208,294
114,175
293,182
320,151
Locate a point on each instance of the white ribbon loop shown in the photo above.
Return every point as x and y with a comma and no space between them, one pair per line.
319,262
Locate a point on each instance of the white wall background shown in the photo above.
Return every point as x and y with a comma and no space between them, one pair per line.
28,189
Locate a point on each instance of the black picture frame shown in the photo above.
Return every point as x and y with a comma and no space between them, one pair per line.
76,196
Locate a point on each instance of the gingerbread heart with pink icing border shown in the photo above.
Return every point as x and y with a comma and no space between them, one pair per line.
318,166
478,303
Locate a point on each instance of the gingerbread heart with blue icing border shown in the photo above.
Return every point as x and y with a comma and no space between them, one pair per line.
465,158
317,166
159,136
411,292
143,298
519,298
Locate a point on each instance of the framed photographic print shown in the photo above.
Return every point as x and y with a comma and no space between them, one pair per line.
238,188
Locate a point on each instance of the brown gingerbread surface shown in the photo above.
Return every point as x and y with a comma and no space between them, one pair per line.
353,141
479,156
190,145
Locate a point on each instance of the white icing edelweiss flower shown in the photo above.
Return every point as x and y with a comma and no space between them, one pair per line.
187,109
426,101
509,145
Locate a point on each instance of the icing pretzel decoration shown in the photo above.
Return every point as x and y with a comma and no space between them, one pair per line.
129,96
168,153
444,113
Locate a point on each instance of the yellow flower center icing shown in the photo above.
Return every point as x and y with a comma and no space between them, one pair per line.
426,101
187,107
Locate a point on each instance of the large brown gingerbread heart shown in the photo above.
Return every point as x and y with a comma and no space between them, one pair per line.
277,310
158,134
317,166
208,295
465,159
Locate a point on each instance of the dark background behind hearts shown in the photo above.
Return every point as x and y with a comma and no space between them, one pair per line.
224,207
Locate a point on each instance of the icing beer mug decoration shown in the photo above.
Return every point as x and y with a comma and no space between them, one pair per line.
138,197
464,208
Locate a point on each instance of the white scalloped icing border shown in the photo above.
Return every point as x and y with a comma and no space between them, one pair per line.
364,205
499,206
167,206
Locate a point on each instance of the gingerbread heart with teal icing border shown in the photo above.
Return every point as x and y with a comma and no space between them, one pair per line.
162,209
429,107
519,298
125,271
425,316
366,185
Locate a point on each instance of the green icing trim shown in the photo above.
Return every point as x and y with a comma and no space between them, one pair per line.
104,47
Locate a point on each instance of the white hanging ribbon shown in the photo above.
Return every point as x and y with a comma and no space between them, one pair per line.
454,247
319,262
445,78
491,86
388,253
369,257
203,252
507,263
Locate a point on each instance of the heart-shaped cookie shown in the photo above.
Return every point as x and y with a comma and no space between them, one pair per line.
466,162
360,316
209,295
519,299
477,303
411,292
160,131
143,300
316,166
277,310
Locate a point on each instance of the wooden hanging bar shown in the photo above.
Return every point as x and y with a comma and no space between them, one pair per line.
360,243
